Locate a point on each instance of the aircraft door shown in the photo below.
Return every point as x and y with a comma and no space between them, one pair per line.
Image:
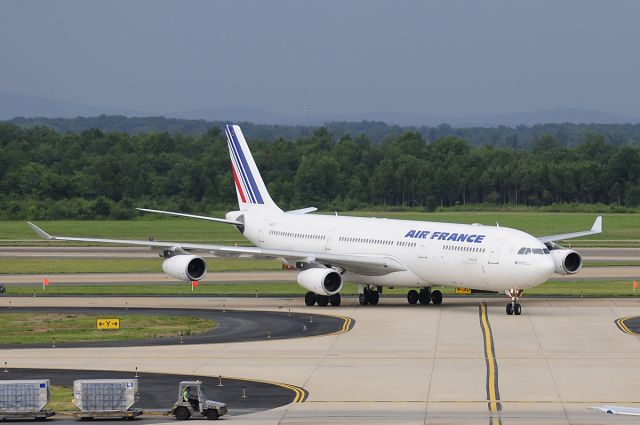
422,252
494,251
329,243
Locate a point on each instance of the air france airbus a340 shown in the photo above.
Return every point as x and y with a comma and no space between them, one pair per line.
374,253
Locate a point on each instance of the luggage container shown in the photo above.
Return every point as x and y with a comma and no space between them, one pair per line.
25,399
106,398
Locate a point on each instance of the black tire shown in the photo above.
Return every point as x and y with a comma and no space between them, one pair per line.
424,297
212,414
323,300
335,300
182,413
374,297
310,299
517,310
363,298
412,296
436,297
509,309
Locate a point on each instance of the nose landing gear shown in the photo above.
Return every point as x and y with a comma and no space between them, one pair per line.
514,307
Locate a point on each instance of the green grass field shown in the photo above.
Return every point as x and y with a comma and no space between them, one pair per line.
61,399
591,288
620,229
41,328
123,265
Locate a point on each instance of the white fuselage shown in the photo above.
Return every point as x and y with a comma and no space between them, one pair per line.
459,255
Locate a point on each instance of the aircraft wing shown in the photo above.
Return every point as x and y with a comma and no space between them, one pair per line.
595,229
618,410
371,265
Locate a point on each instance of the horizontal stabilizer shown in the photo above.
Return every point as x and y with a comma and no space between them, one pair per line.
199,217
302,210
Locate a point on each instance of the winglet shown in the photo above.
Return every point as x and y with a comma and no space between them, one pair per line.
597,225
39,231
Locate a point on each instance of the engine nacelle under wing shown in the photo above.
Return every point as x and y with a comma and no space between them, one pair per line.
567,261
185,267
320,281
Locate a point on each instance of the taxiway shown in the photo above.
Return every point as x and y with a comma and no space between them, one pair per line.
462,362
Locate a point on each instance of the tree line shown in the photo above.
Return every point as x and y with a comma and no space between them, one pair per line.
520,137
94,174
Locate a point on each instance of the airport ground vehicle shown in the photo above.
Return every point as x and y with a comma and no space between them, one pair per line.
192,398
106,398
24,399
2,289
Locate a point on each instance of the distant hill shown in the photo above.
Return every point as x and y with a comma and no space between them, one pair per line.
521,136
18,105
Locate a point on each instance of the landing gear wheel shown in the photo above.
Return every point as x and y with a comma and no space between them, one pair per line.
323,300
212,414
517,309
335,300
182,413
310,298
412,296
374,297
424,297
364,298
436,297
514,307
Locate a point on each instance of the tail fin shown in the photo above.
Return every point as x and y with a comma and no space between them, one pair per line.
250,189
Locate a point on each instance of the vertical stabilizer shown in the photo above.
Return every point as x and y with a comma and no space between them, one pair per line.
250,189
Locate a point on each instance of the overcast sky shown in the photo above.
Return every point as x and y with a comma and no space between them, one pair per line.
339,57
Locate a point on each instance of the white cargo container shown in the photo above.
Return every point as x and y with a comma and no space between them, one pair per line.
24,399
106,398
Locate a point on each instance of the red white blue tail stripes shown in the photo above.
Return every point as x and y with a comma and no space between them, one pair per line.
247,185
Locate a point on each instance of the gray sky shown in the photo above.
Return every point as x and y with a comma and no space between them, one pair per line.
341,57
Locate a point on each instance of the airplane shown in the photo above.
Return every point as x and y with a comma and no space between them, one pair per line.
618,410
374,253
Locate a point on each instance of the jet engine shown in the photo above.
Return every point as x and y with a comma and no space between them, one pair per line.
567,261
321,281
185,267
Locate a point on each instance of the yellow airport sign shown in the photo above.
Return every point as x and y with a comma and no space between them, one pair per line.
463,291
107,323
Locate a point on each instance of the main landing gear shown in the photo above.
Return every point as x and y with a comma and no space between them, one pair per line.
369,296
513,307
311,298
424,297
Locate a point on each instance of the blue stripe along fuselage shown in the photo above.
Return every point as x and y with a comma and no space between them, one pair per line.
445,236
243,168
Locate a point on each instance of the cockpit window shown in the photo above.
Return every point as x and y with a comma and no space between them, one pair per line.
536,251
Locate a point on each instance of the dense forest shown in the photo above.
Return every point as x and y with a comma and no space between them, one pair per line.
512,137
94,174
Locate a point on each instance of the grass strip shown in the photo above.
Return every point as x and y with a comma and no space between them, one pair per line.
585,288
41,328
